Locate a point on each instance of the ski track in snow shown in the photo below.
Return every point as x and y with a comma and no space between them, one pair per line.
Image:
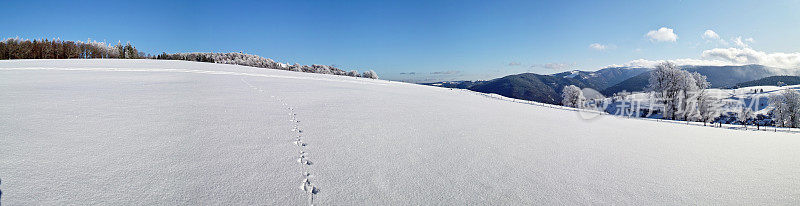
306,185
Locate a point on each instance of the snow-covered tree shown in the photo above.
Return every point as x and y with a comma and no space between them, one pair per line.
353,73
786,108
708,109
572,96
695,97
664,82
678,90
370,74
745,115
130,51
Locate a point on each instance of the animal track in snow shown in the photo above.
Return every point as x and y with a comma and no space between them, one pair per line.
309,188
304,161
299,142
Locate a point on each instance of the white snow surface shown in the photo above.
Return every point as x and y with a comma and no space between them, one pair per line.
148,132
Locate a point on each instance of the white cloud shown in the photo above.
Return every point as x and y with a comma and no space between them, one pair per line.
514,64
710,34
556,66
662,34
746,55
738,42
743,43
597,46
688,61
728,56
451,72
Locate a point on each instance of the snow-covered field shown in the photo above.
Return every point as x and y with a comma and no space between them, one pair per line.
171,132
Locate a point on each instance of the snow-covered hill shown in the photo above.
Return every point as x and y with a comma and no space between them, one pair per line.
173,132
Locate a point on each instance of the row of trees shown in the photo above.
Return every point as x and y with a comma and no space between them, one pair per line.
261,62
14,48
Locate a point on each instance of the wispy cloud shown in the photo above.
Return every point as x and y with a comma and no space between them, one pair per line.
688,61
557,66
663,34
598,46
514,64
554,66
451,72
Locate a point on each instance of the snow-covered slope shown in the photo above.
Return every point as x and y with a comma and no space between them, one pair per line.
172,132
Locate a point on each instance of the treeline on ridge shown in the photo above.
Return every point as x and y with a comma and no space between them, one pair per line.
15,48
261,62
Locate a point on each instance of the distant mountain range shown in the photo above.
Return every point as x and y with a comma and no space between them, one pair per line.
719,76
771,81
547,88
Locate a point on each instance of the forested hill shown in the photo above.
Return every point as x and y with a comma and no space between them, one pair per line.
547,88
772,81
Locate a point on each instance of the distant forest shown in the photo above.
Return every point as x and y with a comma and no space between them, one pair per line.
14,48
772,81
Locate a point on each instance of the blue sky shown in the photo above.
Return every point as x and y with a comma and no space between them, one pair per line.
434,40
